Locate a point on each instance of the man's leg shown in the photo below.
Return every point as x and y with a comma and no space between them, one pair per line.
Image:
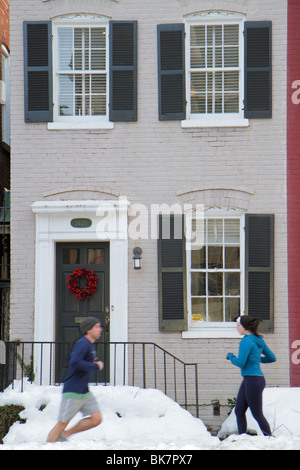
86,423
56,431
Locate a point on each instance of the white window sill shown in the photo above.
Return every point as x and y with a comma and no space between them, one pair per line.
212,332
80,125
213,121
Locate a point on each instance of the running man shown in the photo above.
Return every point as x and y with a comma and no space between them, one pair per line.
76,394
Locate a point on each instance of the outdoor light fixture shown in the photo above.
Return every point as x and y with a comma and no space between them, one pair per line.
137,257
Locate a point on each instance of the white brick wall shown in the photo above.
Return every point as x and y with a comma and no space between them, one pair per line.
153,162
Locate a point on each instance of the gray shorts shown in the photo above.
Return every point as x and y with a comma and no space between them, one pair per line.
71,406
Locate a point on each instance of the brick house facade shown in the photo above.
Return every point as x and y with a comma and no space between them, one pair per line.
176,104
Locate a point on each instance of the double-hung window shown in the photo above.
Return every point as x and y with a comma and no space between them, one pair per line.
215,72
217,268
81,72
215,271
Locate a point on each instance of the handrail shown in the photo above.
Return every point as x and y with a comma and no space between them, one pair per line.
142,364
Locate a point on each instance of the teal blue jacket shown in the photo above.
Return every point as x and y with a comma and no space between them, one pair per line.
252,352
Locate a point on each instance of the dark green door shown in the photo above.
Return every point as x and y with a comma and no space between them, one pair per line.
70,311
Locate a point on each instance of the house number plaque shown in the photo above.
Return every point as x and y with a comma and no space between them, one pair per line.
81,223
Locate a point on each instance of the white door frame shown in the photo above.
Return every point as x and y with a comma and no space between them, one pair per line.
53,224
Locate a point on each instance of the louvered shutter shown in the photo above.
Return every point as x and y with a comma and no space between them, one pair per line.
38,71
171,72
123,71
259,269
258,69
171,272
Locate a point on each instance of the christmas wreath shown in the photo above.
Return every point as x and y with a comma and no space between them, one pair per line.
73,285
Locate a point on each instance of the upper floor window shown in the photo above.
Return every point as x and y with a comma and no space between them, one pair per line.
215,70
81,71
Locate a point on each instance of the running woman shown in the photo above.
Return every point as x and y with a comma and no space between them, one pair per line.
252,351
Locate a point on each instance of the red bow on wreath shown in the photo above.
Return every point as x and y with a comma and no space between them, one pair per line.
74,288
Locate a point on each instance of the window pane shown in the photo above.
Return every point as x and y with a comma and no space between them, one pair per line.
78,60
232,283
215,309
231,57
65,44
96,255
198,103
215,283
232,308
231,34
198,258
218,103
98,38
198,309
198,57
231,103
98,105
78,38
198,83
215,231
219,81
218,57
78,105
215,257
71,256
209,36
218,35
98,60
232,231
232,257
231,81
66,105
98,83
198,284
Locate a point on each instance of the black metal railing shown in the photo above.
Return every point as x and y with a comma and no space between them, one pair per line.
144,365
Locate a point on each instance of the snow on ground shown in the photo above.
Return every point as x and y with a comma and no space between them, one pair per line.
138,419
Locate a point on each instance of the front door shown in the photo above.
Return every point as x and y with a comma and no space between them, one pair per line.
70,311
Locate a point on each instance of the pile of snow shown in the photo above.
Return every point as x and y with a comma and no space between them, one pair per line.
138,419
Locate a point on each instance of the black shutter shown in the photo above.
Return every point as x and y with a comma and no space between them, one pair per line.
258,69
172,273
38,71
123,71
259,269
171,71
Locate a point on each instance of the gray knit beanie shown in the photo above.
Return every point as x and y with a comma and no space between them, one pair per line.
88,323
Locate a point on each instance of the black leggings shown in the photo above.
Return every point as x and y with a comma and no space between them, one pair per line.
250,395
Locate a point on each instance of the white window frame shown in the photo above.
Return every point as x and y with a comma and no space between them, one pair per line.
207,329
215,120
78,122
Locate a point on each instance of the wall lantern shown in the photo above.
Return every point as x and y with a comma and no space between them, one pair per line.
137,257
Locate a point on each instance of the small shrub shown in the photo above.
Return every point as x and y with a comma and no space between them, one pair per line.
231,403
9,414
